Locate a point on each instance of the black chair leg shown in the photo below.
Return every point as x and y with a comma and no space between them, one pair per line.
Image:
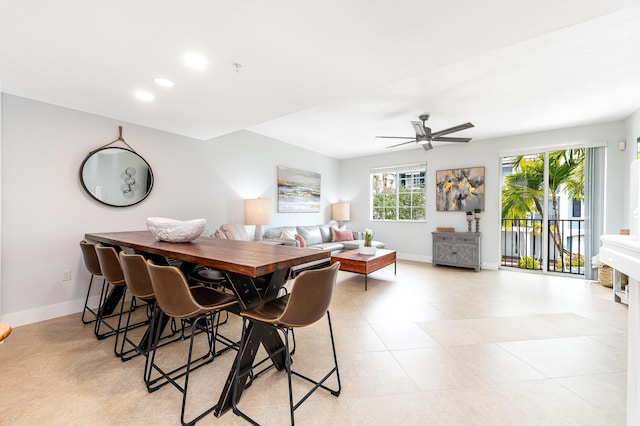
165,377
320,383
86,302
317,384
287,366
137,349
122,331
211,322
101,318
208,322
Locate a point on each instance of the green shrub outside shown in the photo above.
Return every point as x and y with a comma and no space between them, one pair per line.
576,260
528,262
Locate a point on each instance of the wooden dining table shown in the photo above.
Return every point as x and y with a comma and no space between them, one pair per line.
241,262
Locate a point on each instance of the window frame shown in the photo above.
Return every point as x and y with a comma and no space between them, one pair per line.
394,191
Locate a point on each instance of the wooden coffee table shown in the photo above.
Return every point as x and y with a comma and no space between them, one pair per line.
353,261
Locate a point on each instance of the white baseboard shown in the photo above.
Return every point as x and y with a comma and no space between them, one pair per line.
428,259
413,257
44,313
490,265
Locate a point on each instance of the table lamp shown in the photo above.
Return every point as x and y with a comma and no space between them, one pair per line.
258,212
341,212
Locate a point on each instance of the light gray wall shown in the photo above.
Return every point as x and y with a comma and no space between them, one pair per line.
413,240
245,166
46,212
633,133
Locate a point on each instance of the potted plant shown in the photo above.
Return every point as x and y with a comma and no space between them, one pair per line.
367,247
368,237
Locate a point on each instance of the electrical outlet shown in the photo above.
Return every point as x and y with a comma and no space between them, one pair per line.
66,275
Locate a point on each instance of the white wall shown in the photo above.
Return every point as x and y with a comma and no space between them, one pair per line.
245,166
46,212
632,133
413,240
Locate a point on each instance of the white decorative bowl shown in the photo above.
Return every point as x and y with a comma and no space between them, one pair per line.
175,231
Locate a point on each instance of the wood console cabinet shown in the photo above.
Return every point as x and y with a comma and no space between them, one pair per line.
457,249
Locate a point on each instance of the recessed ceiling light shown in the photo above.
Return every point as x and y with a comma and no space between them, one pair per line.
195,61
163,82
144,96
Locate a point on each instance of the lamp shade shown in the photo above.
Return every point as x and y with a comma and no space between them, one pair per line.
257,211
341,212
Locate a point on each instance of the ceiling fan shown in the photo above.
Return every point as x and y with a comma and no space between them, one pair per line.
424,136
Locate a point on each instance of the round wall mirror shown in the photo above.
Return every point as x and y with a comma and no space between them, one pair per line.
116,176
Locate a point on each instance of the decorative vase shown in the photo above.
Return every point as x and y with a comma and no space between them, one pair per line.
476,215
367,250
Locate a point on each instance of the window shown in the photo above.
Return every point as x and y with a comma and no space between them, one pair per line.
576,208
398,192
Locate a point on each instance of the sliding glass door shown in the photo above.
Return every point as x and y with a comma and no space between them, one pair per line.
551,204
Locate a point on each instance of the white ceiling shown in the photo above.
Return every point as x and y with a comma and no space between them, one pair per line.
330,75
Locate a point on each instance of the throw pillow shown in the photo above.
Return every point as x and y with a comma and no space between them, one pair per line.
344,235
334,229
311,234
219,234
325,231
301,240
235,231
286,235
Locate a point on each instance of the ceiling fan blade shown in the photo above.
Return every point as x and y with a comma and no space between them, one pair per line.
452,129
397,137
403,143
450,139
427,146
419,128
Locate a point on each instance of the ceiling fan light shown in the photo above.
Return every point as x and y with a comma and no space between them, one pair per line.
422,142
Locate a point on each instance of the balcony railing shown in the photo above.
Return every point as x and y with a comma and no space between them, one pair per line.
522,245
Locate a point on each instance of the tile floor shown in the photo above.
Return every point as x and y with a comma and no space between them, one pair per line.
430,346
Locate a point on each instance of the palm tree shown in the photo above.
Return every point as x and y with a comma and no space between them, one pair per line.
523,190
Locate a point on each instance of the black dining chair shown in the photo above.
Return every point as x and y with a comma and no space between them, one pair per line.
199,306
307,303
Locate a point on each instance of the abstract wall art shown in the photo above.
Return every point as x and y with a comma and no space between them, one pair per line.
460,189
298,191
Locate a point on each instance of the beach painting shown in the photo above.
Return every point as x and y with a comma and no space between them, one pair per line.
298,191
